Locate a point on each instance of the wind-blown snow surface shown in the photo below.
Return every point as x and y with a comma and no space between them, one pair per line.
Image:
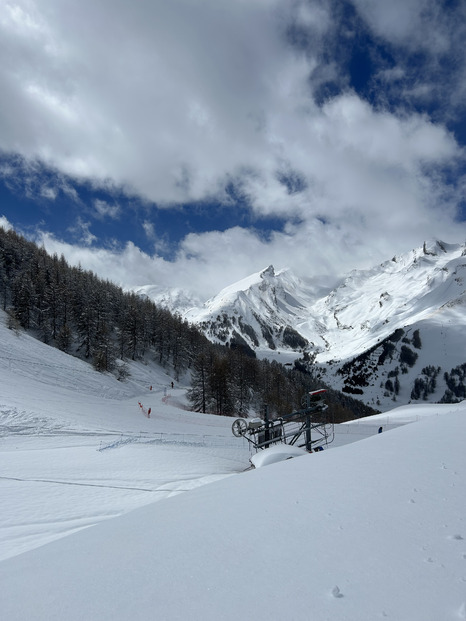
370,530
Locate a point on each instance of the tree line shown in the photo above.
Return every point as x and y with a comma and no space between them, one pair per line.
83,315
86,316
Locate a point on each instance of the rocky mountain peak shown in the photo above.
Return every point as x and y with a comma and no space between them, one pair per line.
268,272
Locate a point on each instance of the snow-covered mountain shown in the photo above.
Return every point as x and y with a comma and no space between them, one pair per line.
397,332
264,310
375,336
175,299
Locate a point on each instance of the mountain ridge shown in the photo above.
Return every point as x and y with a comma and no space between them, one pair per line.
275,312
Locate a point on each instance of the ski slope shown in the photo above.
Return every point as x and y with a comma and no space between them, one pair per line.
76,446
109,514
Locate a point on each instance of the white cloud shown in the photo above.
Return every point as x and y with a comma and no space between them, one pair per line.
170,100
81,231
149,229
136,98
5,224
392,75
415,24
314,16
48,192
105,210
207,262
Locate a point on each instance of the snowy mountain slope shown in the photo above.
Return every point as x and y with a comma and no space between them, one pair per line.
422,293
175,299
372,304
95,524
412,333
76,447
422,362
368,306
263,310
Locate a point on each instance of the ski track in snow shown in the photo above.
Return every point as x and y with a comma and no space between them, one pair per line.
66,431
106,483
40,456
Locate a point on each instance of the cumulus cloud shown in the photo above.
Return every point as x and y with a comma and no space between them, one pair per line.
145,94
167,99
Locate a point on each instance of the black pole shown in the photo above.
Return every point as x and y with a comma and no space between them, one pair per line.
308,432
266,420
308,425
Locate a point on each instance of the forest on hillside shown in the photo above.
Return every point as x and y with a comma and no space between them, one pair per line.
85,316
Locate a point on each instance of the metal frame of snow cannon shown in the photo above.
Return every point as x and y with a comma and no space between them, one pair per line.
294,429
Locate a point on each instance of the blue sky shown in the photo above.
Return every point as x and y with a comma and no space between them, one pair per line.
190,143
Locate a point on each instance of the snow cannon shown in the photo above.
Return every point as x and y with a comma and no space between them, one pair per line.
241,426
316,396
310,428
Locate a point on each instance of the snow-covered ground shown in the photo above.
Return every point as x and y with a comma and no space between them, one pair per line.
371,529
78,446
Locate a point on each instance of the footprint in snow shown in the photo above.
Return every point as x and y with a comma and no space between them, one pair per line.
336,592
